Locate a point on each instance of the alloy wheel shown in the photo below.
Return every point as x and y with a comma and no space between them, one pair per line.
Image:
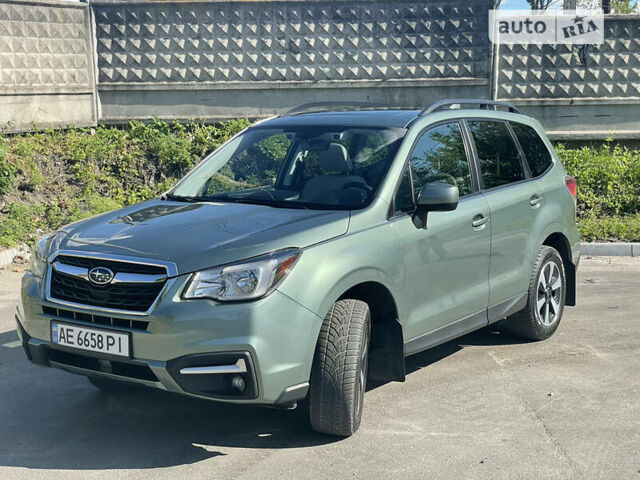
549,294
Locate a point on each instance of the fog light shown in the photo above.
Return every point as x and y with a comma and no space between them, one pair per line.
237,382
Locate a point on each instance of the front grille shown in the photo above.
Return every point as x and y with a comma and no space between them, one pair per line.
123,369
135,297
96,319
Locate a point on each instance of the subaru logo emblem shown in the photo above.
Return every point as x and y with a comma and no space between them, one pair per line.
100,275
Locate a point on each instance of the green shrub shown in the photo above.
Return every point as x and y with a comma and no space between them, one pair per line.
608,178
76,173
8,171
20,224
610,228
608,190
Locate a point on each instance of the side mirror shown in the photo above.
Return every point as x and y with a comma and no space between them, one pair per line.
435,197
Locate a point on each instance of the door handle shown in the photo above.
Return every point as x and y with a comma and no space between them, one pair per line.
535,201
479,221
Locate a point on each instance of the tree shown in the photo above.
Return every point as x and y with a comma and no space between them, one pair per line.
539,4
590,5
624,6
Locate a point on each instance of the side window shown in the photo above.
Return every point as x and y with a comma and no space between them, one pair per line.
404,196
498,156
534,148
439,156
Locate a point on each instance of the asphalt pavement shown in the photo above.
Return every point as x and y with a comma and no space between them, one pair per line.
487,405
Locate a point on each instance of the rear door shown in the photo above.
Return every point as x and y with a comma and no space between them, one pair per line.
446,265
514,200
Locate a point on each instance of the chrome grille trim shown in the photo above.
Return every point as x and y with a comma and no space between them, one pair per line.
119,277
71,270
172,269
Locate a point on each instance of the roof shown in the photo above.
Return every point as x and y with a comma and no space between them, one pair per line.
359,114
348,118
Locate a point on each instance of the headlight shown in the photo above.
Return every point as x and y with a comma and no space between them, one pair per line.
248,280
39,257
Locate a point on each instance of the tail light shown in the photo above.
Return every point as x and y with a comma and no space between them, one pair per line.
572,185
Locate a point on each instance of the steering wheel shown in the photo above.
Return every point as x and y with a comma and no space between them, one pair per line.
361,186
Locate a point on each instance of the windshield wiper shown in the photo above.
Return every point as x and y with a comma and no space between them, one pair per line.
225,199
265,202
183,198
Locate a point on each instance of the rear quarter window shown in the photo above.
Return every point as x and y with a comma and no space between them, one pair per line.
534,148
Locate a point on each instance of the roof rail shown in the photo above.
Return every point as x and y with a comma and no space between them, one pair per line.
310,107
482,105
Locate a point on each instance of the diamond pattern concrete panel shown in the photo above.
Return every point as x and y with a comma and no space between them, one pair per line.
610,70
290,41
43,46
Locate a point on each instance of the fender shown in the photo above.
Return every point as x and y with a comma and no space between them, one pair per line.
387,350
320,305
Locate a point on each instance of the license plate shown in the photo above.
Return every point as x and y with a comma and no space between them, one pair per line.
92,339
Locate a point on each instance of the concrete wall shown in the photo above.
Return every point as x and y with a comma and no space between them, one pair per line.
577,92
46,65
223,59
66,63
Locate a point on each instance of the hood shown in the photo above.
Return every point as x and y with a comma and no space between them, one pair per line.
200,235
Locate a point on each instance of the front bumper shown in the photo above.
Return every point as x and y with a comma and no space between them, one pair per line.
273,339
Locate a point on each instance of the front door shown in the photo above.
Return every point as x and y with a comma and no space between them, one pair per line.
445,266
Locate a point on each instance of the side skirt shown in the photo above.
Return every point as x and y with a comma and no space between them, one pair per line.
446,333
466,325
508,307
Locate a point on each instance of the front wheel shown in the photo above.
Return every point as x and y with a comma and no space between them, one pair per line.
339,372
545,303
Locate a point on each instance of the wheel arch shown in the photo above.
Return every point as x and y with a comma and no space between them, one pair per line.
561,243
386,360
316,284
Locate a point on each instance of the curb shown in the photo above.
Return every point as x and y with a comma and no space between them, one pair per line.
610,249
7,256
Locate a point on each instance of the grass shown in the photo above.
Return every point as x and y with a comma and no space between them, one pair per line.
610,229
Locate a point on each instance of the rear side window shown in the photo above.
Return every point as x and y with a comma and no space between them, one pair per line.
534,148
498,156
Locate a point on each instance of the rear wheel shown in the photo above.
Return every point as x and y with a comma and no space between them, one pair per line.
339,372
545,302
108,385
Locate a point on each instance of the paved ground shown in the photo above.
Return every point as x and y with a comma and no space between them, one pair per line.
485,406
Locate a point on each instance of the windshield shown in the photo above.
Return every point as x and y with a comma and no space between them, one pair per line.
307,167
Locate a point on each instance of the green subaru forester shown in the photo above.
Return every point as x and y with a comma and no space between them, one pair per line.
312,251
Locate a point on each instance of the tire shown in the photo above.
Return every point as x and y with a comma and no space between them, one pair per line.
545,302
108,385
339,371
